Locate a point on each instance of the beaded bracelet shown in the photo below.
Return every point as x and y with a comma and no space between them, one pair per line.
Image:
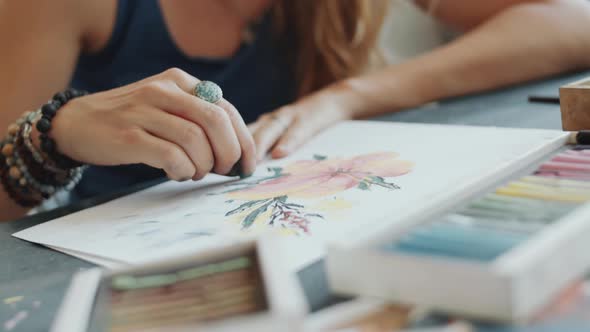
38,156
42,176
26,136
10,173
23,199
43,125
28,175
27,181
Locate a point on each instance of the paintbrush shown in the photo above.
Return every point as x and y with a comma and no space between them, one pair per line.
581,137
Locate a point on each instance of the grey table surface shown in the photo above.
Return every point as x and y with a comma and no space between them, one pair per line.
41,275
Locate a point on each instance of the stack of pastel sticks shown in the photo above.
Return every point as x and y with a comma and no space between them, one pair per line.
186,297
497,222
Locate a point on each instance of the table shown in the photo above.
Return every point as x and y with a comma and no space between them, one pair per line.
41,275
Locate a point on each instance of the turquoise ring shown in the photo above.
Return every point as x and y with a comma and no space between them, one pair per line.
208,91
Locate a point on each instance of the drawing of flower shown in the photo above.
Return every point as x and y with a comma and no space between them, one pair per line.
324,177
306,179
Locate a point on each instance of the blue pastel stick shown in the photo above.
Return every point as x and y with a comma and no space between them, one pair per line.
470,233
455,240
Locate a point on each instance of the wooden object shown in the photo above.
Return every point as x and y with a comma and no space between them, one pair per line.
575,105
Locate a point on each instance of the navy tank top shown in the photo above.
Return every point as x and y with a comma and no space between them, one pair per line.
255,80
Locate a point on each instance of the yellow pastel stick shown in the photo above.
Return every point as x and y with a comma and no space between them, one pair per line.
549,189
556,182
544,195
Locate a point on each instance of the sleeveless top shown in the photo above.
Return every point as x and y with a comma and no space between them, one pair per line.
255,80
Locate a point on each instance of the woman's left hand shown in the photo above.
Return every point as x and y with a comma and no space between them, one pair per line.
282,131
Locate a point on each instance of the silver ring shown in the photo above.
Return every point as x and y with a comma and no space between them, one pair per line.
208,91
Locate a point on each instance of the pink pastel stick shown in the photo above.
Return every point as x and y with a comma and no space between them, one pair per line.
561,166
584,152
564,175
579,153
581,159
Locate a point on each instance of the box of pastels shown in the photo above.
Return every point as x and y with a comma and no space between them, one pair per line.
241,287
500,252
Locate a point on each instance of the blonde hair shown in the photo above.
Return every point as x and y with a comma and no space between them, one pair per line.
329,40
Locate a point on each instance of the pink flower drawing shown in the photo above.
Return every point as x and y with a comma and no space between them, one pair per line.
308,179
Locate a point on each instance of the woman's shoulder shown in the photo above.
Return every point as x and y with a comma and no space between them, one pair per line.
88,21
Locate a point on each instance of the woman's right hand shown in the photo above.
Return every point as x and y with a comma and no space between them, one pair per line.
158,122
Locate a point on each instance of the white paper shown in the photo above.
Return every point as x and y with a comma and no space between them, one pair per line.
181,218
104,262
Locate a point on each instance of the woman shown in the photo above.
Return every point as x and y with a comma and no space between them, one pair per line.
296,66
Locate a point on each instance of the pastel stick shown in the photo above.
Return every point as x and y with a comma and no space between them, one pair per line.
556,182
568,158
545,195
564,166
578,176
496,224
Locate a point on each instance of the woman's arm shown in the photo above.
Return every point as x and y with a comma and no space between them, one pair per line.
156,121
40,42
506,42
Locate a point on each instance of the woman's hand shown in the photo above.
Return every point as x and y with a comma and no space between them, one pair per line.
158,122
282,131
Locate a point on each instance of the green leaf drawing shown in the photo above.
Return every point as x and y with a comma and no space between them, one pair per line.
379,181
363,185
319,157
244,207
278,171
293,205
250,218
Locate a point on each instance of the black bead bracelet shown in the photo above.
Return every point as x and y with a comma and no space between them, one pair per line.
43,125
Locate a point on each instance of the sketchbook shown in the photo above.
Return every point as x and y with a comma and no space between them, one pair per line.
350,179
